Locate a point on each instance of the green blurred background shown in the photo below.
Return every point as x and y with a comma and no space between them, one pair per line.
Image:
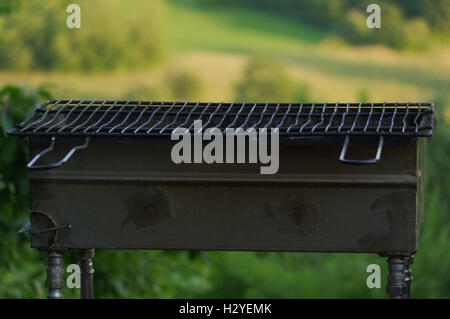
212,50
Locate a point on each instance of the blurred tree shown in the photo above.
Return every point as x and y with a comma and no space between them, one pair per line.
7,6
149,93
414,34
354,26
184,85
348,17
268,81
391,24
411,7
36,37
363,96
437,14
18,278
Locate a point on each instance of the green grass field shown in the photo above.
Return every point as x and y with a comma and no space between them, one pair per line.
196,28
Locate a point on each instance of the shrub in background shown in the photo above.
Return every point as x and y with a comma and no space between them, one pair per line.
353,25
266,80
179,85
432,262
363,96
392,20
8,6
146,93
17,278
414,34
184,85
436,13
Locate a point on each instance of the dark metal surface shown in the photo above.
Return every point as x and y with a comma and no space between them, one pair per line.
44,227
138,118
142,200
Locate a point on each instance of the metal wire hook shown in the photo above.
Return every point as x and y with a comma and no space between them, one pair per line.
56,164
361,162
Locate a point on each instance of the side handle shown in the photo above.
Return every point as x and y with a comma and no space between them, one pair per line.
56,164
361,162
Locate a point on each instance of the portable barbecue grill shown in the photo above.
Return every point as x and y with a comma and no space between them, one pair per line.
108,181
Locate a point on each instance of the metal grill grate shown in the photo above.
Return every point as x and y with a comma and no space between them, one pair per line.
139,118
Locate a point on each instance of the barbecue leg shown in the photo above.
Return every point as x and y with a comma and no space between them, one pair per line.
399,278
87,272
408,277
55,274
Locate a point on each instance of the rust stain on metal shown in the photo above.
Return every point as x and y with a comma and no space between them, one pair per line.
306,215
146,208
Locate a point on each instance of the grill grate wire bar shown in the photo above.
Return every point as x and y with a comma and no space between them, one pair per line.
140,118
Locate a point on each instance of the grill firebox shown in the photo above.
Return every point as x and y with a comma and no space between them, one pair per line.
113,184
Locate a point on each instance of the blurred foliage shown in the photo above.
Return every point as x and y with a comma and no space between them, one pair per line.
363,96
436,12
8,6
432,259
15,104
404,23
145,92
36,37
112,35
269,81
179,85
183,85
